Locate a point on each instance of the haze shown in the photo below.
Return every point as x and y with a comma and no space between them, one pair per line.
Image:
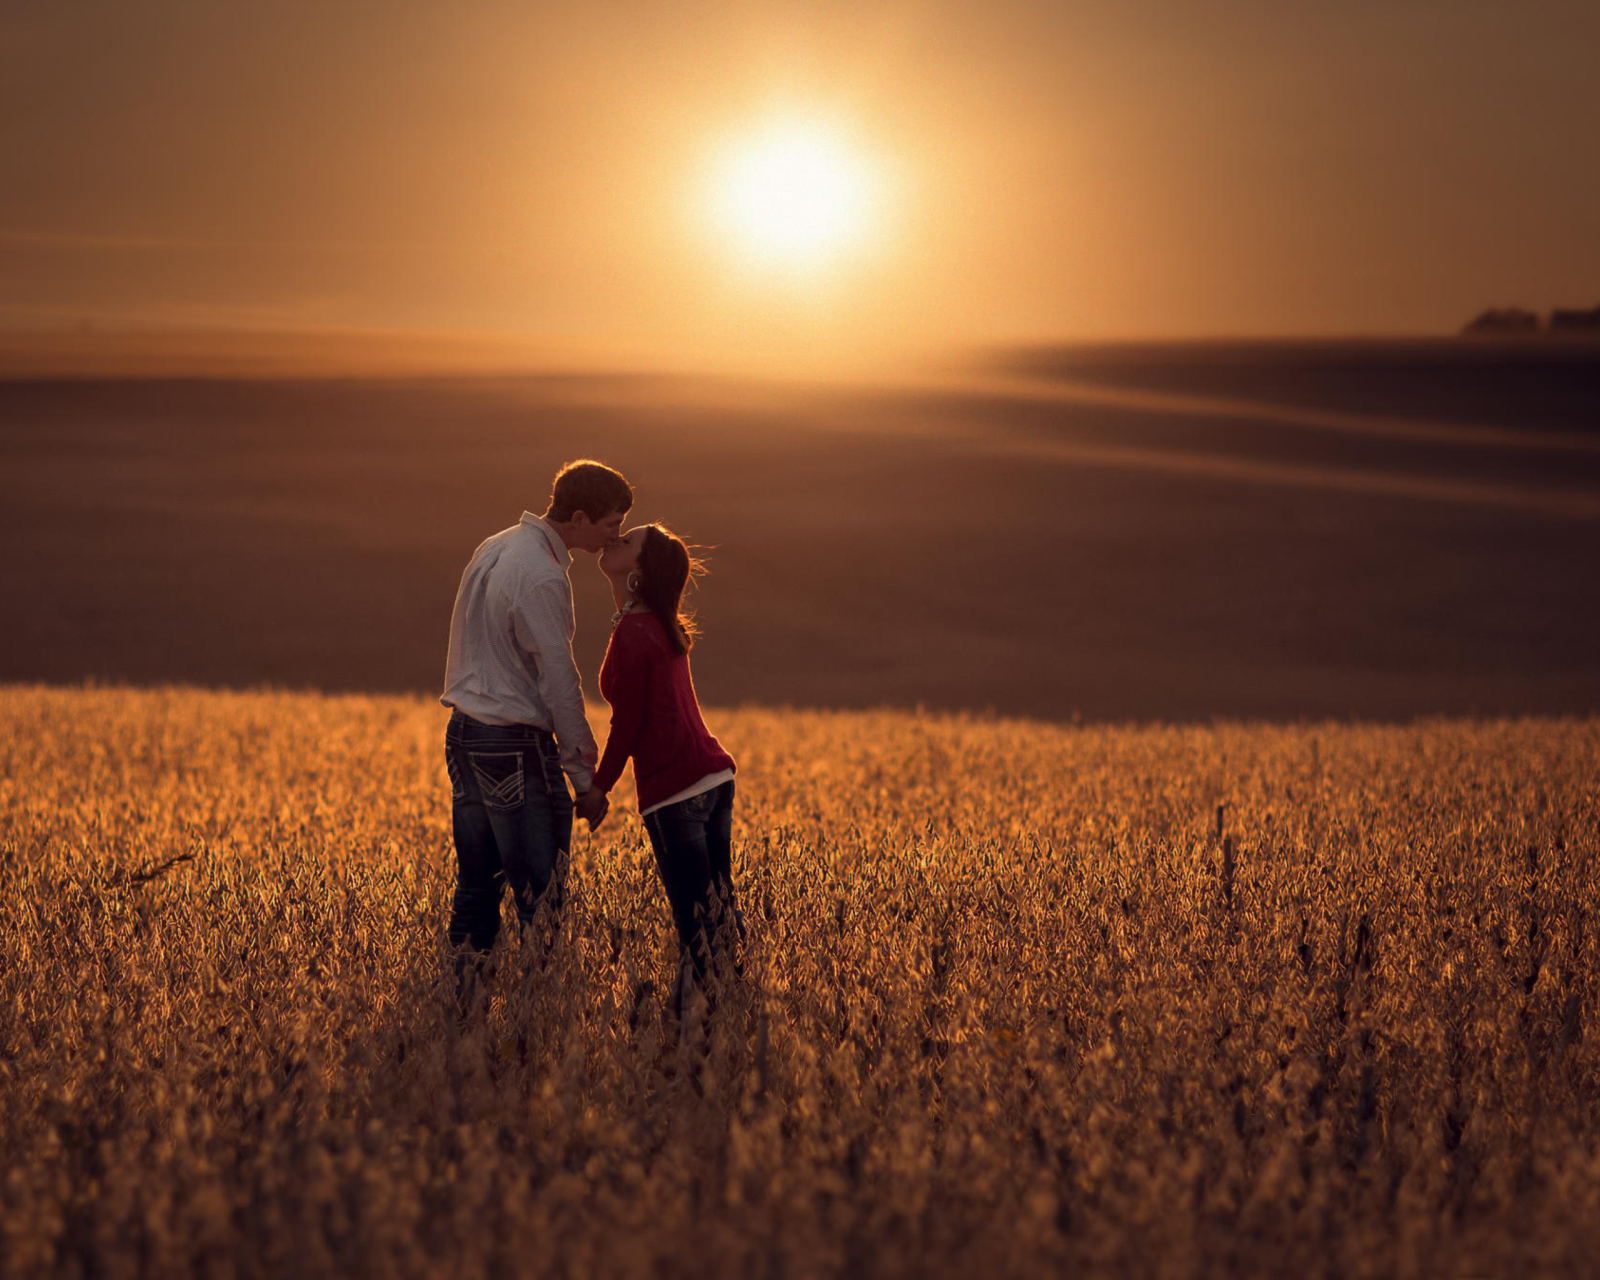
1156,168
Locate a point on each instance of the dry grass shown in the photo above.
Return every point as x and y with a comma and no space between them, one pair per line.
1013,1003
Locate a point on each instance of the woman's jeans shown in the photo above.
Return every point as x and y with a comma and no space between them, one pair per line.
693,844
512,815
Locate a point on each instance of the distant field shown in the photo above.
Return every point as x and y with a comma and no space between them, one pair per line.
1316,1000
1522,386
1375,530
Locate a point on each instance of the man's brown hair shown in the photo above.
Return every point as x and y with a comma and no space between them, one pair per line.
590,487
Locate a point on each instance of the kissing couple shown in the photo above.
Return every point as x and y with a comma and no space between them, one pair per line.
518,734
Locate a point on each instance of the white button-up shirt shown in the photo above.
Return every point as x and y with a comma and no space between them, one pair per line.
510,656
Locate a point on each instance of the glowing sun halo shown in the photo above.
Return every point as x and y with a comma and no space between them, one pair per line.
793,195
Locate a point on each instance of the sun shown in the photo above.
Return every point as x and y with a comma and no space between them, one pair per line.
794,194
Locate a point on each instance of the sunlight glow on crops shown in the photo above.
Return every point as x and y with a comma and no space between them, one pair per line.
1019,999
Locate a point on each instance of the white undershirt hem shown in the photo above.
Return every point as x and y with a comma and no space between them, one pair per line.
705,784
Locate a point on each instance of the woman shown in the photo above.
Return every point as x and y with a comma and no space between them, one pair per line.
683,776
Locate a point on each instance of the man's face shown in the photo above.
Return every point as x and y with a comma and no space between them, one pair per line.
597,535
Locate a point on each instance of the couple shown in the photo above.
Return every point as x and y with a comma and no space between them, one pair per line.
518,732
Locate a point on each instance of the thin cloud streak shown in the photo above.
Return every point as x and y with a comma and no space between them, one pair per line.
27,237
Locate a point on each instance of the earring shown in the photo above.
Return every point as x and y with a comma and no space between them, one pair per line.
634,582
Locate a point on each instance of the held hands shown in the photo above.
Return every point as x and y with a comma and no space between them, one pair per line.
591,806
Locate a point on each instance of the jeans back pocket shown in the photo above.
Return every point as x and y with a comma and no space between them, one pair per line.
500,777
698,807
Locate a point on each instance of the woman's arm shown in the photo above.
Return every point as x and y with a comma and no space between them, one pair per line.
630,662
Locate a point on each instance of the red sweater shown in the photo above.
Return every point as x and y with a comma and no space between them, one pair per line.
655,717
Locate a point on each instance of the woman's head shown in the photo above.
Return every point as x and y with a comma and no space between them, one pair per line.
655,566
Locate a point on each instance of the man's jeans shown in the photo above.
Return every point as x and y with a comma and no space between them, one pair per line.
512,814
692,841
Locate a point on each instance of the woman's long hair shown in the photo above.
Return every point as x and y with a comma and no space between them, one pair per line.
665,567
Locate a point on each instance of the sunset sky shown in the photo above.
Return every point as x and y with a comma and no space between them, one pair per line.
1145,168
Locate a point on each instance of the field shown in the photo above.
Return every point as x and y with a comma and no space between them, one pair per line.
1309,1000
1377,530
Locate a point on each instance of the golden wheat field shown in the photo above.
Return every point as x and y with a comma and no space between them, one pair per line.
1018,998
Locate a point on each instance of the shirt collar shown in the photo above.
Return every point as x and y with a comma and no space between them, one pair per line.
558,547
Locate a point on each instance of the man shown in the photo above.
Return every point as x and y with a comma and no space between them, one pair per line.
518,732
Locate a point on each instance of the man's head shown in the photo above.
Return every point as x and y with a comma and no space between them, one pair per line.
587,503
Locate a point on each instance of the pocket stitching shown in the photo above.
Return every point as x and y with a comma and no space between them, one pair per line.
699,805
505,792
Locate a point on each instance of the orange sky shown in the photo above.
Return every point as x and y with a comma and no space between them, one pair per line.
1144,168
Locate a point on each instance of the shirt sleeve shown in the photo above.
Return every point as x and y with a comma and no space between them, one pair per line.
629,682
542,617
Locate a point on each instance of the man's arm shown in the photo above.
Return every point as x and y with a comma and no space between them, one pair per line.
543,620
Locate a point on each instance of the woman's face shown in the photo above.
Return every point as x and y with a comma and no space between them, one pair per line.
620,558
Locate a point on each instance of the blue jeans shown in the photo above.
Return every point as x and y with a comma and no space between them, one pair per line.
693,844
512,815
